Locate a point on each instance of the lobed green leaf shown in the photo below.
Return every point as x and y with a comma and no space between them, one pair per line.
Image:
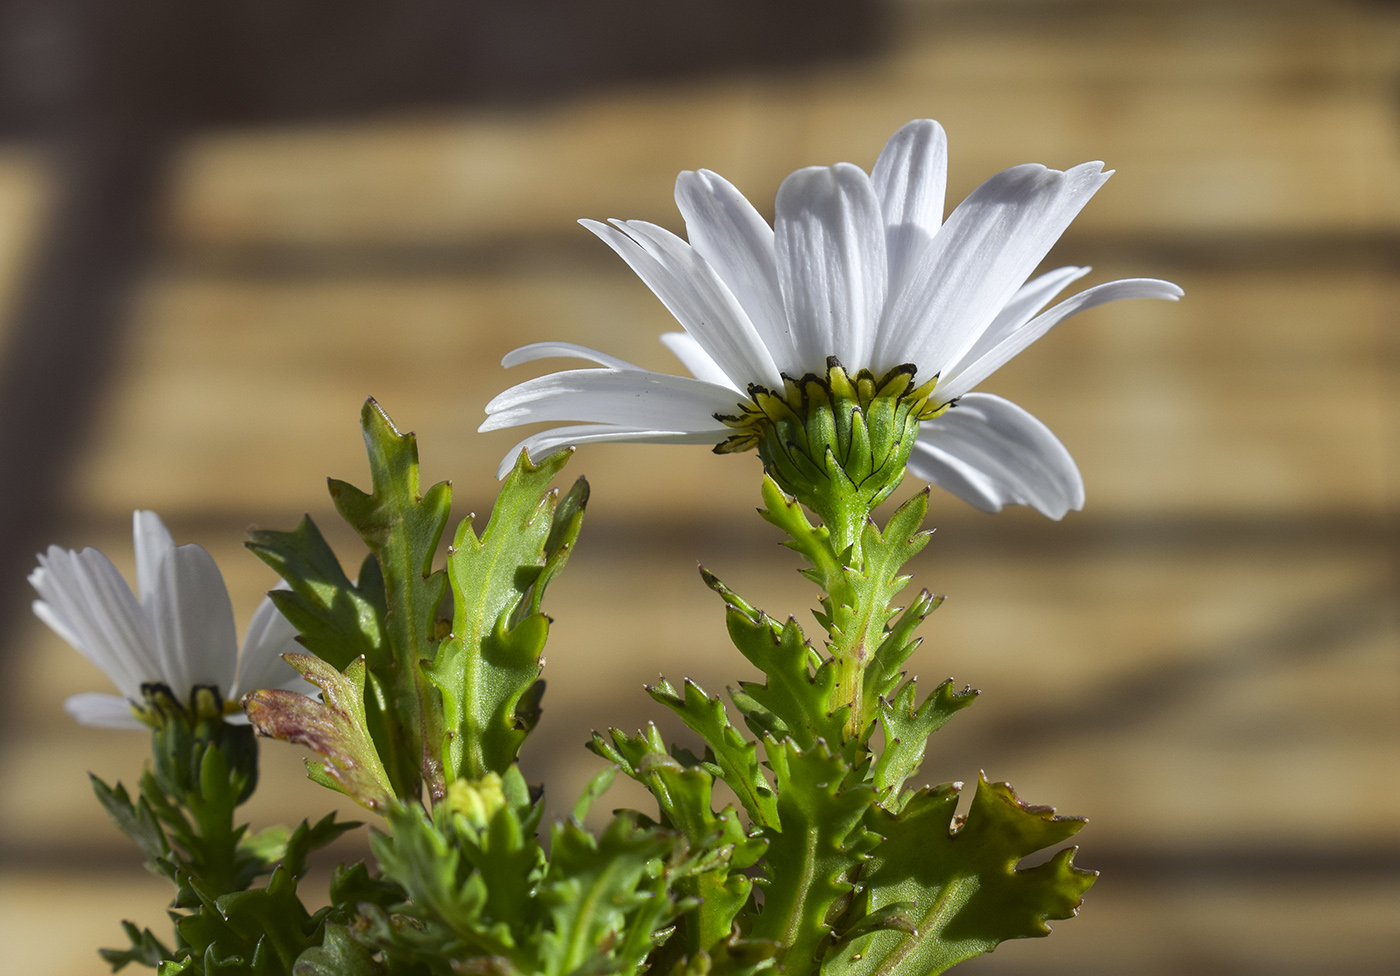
907,730
334,728
812,855
487,670
736,758
800,686
966,892
402,526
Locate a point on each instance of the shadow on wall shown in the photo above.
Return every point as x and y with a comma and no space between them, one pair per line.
108,88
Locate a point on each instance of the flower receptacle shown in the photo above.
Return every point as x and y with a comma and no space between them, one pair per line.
837,442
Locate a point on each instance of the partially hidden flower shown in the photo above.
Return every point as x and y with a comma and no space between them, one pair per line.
176,639
860,295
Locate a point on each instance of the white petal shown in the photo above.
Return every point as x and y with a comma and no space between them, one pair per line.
152,542
831,264
51,617
735,240
547,442
692,291
260,665
992,360
929,463
98,614
562,350
980,257
684,347
1029,299
909,178
102,711
192,620
631,398
991,453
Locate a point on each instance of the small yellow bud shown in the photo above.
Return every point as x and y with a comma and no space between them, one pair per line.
477,800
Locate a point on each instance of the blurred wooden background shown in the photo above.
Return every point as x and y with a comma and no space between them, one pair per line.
1203,662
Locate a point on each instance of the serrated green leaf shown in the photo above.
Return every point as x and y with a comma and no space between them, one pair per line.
812,542
337,955
146,949
966,891
799,696
760,721
137,820
487,669
717,843
882,674
813,854
259,932
605,897
441,888
906,734
402,527
337,620
309,837
564,527
736,757
352,886
468,873
333,728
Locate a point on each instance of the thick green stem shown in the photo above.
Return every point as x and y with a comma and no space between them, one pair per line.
854,641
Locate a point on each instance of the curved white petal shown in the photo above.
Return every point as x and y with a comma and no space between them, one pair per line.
192,620
991,453
548,441
102,711
692,292
980,257
831,264
1029,299
631,398
51,617
735,240
152,543
929,463
260,664
910,178
996,357
684,347
562,350
98,615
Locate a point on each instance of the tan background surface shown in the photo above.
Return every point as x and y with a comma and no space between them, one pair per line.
1203,662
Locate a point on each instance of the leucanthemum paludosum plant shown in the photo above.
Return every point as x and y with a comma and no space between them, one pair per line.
843,345
859,302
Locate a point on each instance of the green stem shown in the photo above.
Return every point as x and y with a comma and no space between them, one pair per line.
845,515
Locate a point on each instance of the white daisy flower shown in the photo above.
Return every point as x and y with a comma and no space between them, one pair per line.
858,267
179,634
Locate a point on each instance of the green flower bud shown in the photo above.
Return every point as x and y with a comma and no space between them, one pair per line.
476,800
184,732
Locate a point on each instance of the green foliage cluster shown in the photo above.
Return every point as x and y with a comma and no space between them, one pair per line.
859,873
829,863
182,820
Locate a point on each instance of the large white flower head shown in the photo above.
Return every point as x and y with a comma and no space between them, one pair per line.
859,294
178,637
